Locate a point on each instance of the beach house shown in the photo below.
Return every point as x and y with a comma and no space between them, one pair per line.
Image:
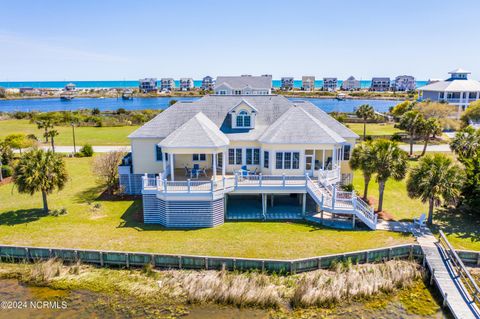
167,84
147,85
308,83
286,83
330,84
186,84
242,157
350,84
208,83
405,83
457,90
243,85
380,84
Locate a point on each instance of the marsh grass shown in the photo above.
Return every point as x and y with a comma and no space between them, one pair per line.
321,288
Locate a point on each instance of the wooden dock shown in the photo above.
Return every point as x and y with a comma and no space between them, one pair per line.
445,273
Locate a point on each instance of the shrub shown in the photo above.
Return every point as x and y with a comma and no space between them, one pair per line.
95,111
7,171
86,151
396,137
58,212
348,187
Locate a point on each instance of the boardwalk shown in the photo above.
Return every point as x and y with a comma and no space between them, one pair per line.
446,278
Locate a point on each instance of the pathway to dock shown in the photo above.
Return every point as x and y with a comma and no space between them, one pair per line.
448,281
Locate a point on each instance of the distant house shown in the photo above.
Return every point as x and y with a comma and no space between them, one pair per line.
70,87
28,90
351,84
147,85
244,85
208,83
308,83
287,83
457,90
167,84
330,84
380,84
186,84
405,83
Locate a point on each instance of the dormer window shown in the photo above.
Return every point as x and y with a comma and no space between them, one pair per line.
243,119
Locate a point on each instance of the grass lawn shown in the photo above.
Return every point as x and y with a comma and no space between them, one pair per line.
373,128
115,226
463,230
83,135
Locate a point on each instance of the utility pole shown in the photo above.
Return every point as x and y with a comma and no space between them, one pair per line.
73,133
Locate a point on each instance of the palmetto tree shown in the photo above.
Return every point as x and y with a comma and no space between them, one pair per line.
466,142
431,127
365,112
412,122
46,124
436,180
51,134
363,159
390,162
40,171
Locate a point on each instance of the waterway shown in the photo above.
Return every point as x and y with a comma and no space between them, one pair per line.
111,104
23,301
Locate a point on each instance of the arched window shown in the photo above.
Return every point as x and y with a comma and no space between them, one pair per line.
243,119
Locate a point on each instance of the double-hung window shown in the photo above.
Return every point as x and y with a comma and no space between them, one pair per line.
266,159
346,152
158,153
243,119
234,156
287,160
199,157
253,156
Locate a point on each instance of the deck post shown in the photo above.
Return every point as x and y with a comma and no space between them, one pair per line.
260,179
189,185
165,185
224,155
214,160
236,180
353,221
306,180
271,200
157,182
283,180
334,196
304,204
223,182
172,166
211,186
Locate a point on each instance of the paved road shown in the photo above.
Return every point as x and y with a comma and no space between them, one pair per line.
430,148
96,149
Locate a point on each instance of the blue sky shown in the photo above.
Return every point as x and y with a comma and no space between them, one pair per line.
116,40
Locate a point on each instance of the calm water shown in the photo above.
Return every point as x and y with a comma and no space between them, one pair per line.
130,83
328,105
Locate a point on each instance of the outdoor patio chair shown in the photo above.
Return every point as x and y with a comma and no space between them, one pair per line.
254,172
421,221
188,171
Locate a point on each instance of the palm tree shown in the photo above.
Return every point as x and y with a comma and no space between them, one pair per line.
51,134
40,171
412,122
389,161
365,112
431,127
466,142
363,159
46,124
436,180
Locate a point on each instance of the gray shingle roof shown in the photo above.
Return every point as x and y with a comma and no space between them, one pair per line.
452,86
216,108
199,131
240,82
286,130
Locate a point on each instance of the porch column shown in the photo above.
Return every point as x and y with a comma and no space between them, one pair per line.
323,159
164,160
224,162
172,164
214,155
334,156
271,200
264,202
353,221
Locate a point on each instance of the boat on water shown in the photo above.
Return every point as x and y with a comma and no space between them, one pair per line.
341,97
67,96
127,95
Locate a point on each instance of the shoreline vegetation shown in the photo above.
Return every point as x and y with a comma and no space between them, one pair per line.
175,293
117,93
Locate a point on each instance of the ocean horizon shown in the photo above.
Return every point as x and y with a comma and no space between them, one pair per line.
134,83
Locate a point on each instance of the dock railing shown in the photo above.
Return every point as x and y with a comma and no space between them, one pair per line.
468,281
